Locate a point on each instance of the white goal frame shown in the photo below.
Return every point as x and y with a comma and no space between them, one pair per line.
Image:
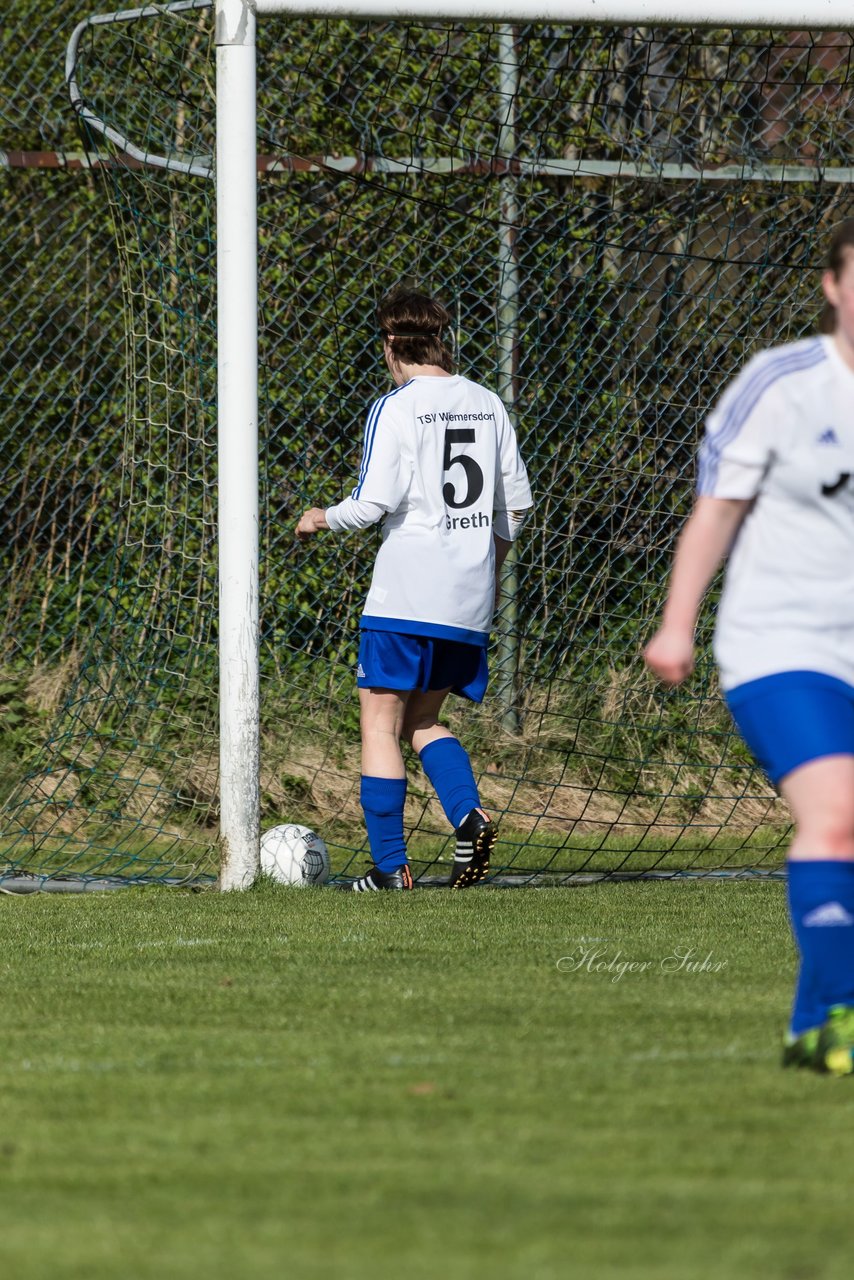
237,274
236,174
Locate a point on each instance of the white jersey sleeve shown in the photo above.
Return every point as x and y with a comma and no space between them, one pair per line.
509,524
740,432
512,487
353,513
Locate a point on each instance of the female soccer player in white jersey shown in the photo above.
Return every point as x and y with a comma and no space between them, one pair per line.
441,469
776,495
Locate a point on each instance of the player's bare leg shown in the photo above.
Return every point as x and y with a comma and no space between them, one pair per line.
381,716
820,795
421,718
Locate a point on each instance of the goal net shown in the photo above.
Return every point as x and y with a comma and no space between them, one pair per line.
616,219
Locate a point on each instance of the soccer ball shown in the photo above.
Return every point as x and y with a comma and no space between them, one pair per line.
292,854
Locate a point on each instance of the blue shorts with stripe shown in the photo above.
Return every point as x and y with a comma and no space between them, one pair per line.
391,660
793,717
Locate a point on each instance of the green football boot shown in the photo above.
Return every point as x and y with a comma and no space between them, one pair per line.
799,1051
835,1050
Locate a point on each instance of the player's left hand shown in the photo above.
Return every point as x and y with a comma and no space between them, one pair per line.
311,522
670,655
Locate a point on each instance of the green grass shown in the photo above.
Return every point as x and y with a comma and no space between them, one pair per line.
295,1083
553,854
546,855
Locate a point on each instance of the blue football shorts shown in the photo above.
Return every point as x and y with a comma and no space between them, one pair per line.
390,660
793,717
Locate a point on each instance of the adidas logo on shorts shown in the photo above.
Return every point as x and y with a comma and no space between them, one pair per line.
360,673
827,915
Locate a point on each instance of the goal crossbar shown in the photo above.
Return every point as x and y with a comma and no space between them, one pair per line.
814,16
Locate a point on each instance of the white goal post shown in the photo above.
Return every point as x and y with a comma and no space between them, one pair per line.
236,176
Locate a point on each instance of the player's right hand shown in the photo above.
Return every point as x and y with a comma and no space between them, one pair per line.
310,522
670,655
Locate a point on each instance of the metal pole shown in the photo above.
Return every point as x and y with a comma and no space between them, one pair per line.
507,662
237,360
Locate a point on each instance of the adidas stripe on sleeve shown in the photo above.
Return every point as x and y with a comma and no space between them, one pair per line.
383,478
744,429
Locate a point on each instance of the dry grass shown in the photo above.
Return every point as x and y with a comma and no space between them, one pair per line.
618,759
48,685
556,774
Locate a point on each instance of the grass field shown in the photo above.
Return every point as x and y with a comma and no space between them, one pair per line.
297,1083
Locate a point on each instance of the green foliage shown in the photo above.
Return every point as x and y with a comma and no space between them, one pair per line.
24,722
608,309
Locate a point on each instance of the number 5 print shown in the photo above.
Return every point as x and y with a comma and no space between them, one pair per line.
474,475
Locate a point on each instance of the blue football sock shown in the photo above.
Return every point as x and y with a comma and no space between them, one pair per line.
449,769
382,803
821,906
807,1010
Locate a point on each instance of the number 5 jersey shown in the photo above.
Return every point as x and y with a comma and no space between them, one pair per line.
441,468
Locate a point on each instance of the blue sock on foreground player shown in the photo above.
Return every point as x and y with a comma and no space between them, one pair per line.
821,906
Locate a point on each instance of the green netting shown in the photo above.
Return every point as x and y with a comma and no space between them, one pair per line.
616,219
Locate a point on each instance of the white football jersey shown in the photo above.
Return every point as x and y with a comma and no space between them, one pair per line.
783,434
440,459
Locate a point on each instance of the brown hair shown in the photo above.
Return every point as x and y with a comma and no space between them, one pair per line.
414,323
841,239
